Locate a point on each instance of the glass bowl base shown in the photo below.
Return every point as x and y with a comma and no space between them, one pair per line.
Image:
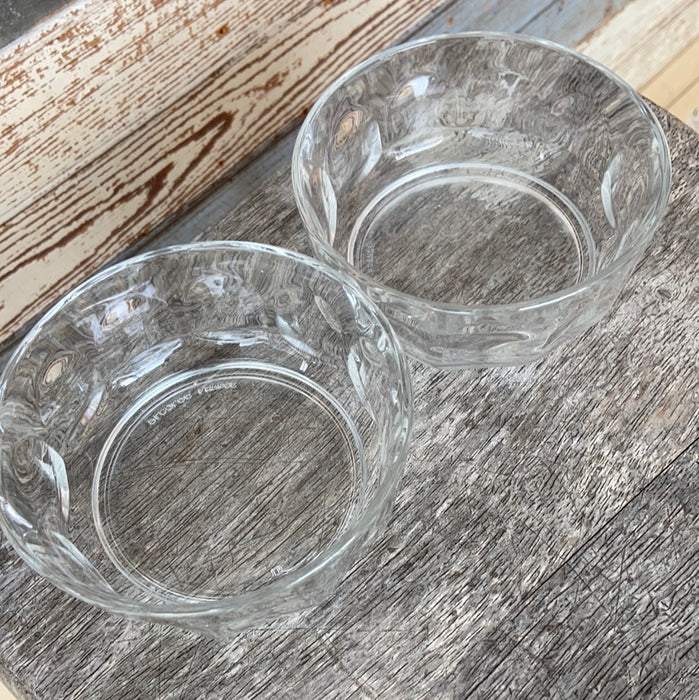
217,481
472,234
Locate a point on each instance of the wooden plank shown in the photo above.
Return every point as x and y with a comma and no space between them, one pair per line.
686,105
492,15
563,21
615,612
84,80
543,509
572,21
252,68
675,77
643,36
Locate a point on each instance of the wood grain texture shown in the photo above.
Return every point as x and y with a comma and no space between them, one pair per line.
82,81
544,543
686,105
116,114
555,20
601,604
563,21
655,47
675,77
645,34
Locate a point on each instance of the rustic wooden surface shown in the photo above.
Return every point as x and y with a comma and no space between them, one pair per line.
95,157
648,24
113,115
562,21
545,542
658,55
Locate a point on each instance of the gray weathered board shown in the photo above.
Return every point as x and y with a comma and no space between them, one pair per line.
17,16
545,542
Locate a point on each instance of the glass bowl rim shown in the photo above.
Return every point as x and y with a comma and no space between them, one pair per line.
386,293
286,582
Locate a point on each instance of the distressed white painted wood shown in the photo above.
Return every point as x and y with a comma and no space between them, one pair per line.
113,115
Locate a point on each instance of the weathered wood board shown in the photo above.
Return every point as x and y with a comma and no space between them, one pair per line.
114,115
674,79
653,29
545,542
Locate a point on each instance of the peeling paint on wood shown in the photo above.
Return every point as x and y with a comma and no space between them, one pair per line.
113,115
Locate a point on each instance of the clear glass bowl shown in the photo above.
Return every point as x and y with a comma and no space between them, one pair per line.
206,435
491,192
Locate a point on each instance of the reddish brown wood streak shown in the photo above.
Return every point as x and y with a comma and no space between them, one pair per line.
274,81
152,187
92,44
219,125
11,149
85,267
156,184
300,39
